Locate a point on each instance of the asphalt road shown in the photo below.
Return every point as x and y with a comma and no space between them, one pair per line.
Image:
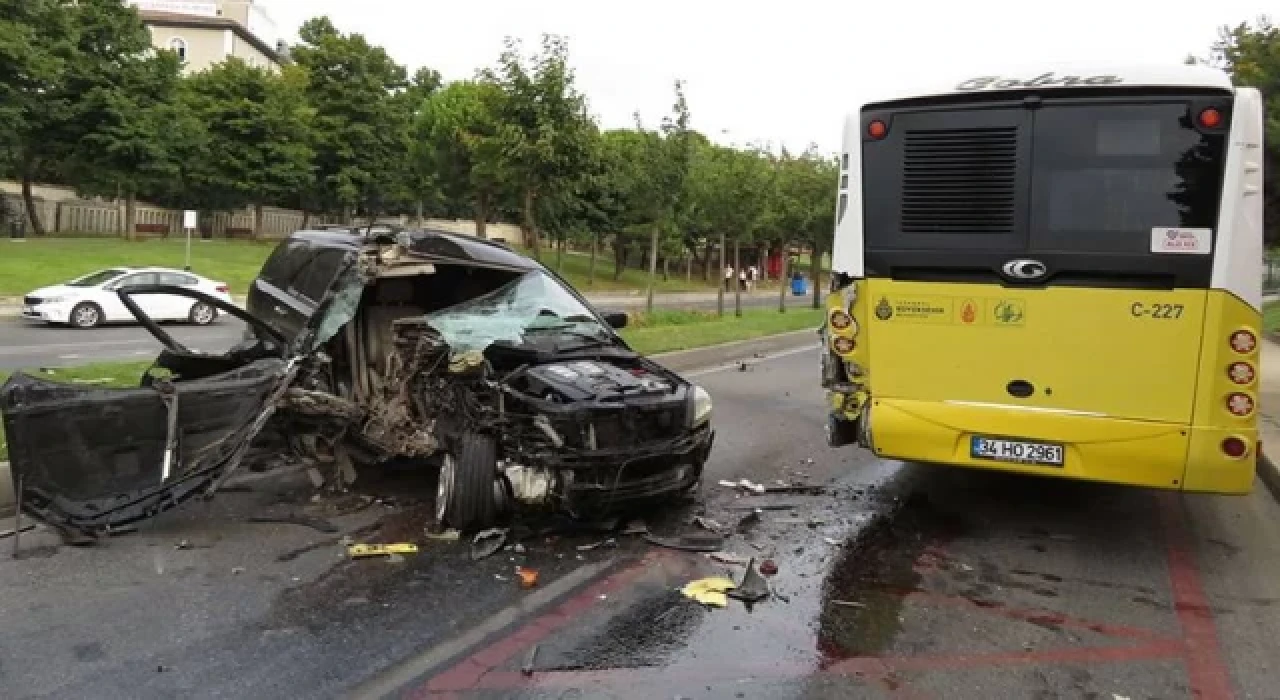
894,581
24,344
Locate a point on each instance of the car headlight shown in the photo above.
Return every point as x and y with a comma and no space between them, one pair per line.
701,406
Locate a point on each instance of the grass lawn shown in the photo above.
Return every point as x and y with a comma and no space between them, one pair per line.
33,263
667,331
1271,317
662,331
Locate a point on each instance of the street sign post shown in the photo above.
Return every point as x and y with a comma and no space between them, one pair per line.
189,222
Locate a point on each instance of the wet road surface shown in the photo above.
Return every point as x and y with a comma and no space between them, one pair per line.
892,582
25,344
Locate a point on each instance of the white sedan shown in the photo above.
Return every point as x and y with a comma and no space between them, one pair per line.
92,300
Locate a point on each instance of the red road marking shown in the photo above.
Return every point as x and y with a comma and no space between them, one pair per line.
467,673
1208,674
1199,649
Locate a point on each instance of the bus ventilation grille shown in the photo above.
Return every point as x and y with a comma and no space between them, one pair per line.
959,180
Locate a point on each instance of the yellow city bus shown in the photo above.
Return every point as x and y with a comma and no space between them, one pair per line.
1054,273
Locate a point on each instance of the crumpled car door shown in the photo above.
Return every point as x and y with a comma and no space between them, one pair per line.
88,459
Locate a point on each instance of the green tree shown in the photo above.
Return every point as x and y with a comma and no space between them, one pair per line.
544,129
258,125
803,206
730,189
456,139
361,123
1251,54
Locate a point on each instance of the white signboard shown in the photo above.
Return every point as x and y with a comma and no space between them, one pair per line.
1194,241
181,7
189,219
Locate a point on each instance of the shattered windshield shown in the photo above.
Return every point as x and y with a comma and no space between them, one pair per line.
533,305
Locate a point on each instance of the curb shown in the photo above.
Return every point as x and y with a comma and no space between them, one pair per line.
678,361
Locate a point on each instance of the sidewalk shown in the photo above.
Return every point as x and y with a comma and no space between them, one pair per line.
11,307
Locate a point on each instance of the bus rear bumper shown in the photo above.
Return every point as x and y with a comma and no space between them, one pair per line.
1094,448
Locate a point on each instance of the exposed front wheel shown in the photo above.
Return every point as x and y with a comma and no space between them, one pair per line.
86,315
465,494
202,314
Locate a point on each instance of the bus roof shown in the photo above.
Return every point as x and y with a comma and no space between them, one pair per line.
1065,77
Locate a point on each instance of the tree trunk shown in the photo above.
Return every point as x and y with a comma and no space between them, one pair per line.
688,268
29,201
782,282
706,264
258,215
418,219
619,257
530,224
720,288
653,268
815,271
666,268
130,215
737,273
559,255
482,215
591,266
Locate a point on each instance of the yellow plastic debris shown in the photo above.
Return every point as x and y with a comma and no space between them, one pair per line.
379,550
710,591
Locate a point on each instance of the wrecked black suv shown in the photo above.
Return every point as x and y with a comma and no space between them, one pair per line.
364,347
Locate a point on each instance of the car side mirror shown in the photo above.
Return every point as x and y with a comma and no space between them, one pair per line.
617,320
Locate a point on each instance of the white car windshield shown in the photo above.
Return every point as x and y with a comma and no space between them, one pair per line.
95,279
535,304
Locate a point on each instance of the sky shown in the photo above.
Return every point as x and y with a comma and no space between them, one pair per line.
777,73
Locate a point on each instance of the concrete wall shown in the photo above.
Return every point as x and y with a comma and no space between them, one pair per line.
205,47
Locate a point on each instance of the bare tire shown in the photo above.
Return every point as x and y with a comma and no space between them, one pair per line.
202,314
465,494
86,315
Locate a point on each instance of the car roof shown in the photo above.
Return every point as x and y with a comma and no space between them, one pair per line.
441,245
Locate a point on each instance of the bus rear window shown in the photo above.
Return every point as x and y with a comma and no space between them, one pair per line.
1104,175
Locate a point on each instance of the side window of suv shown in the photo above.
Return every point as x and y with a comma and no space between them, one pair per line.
284,265
317,277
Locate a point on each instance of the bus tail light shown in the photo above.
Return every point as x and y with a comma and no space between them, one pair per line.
1239,404
841,320
1234,447
1244,342
1241,373
1210,118
877,129
843,345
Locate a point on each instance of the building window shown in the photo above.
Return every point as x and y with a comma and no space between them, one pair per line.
180,46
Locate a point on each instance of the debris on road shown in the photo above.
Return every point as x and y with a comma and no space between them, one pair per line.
528,577
768,567
688,543
727,558
596,545
361,551
753,587
748,521
449,535
527,668
486,543
831,541
710,591
849,603
636,527
708,524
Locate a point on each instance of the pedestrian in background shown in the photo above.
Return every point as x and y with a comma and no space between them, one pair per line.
728,278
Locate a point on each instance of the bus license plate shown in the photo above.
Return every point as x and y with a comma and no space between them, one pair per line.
1016,451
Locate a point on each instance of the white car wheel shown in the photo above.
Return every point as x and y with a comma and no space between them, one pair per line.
202,314
86,315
